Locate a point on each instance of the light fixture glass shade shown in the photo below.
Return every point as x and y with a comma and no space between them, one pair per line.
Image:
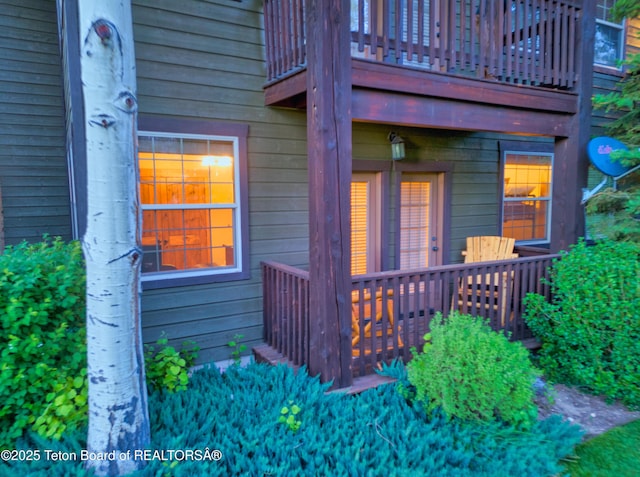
397,148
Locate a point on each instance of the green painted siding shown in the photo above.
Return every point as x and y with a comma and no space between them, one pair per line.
33,170
205,60
474,159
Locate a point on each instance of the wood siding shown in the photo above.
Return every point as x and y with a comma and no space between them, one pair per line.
474,161
205,61
33,169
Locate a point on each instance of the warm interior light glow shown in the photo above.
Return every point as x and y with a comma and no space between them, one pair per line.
527,196
187,191
222,161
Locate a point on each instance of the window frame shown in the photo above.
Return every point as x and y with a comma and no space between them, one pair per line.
621,27
189,129
527,149
444,172
436,216
373,218
381,170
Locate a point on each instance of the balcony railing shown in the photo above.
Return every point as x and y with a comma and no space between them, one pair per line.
404,304
515,41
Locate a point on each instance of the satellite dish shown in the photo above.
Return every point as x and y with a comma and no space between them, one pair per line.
600,149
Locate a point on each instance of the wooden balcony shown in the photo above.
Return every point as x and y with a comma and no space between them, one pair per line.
524,43
405,303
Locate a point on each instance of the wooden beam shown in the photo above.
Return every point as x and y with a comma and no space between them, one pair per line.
329,151
570,156
407,110
388,77
287,91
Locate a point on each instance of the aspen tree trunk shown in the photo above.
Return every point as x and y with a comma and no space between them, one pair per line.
118,412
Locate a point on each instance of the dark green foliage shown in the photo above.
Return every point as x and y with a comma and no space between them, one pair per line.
626,101
474,373
615,214
168,368
375,433
625,8
43,353
590,333
622,207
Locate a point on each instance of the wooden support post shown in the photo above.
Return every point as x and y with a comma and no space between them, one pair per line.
570,153
329,156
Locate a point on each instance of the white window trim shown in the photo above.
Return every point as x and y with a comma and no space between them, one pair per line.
620,26
236,207
549,201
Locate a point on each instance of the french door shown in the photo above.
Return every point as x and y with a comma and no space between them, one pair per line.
420,214
365,223
420,220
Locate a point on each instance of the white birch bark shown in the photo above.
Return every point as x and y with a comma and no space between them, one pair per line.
118,412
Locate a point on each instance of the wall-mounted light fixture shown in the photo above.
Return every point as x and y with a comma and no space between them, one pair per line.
397,146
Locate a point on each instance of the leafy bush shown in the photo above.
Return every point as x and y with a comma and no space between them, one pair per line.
167,368
377,432
43,357
474,373
590,332
43,368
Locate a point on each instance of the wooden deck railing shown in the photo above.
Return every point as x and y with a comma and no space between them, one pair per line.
518,41
404,304
285,292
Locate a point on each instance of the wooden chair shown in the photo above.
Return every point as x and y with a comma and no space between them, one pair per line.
487,291
369,321
487,248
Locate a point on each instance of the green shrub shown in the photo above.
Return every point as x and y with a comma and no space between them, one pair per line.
237,348
168,368
474,373
377,432
43,367
590,332
43,358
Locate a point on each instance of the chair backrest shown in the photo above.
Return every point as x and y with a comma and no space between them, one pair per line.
487,248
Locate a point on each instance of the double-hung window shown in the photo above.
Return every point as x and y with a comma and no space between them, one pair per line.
609,40
191,194
526,213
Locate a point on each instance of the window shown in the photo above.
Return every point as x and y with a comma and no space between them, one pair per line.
192,200
527,196
609,41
